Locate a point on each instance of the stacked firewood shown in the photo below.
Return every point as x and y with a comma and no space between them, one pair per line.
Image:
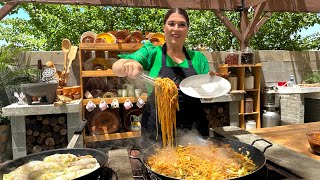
217,114
46,132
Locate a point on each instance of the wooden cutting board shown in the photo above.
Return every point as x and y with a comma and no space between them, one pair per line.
291,136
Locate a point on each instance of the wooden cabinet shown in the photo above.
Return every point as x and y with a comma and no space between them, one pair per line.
100,50
250,105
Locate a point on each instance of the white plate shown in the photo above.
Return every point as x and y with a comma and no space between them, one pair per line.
205,86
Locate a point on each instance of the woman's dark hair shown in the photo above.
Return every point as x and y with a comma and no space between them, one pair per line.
178,11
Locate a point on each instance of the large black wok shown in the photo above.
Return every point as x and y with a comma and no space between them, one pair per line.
101,157
256,155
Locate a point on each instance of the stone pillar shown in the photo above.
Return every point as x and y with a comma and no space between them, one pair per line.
234,113
18,130
292,109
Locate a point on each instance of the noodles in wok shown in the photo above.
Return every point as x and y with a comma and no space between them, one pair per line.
200,162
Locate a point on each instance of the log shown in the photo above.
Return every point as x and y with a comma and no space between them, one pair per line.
40,140
46,128
42,135
49,134
36,149
56,137
56,128
45,121
61,120
29,146
36,133
57,141
64,125
39,118
44,147
29,132
63,131
53,121
49,142
31,139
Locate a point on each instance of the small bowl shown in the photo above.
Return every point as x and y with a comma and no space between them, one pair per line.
314,140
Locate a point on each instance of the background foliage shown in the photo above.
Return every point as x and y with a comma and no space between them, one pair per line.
49,24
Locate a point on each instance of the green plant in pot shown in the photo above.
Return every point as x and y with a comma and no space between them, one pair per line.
313,78
13,72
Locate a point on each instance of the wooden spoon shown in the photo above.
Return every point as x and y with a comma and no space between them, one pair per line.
71,56
66,46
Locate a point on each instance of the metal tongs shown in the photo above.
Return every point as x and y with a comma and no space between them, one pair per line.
147,78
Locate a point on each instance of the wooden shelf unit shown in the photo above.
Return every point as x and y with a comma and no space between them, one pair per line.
101,47
255,92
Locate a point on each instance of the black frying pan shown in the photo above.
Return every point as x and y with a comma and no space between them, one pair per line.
256,155
101,157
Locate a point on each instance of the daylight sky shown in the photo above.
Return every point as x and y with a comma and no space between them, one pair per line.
23,14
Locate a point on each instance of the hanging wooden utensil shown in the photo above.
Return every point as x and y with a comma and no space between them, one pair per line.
71,56
66,46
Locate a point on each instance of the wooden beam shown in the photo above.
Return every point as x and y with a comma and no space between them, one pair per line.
227,5
244,24
258,10
228,24
262,21
8,7
287,5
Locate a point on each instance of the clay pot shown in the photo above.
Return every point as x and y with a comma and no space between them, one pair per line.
121,36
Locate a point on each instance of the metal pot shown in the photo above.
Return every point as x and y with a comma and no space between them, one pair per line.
101,157
270,118
255,155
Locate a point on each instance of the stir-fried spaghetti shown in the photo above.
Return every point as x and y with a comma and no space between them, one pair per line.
200,162
166,94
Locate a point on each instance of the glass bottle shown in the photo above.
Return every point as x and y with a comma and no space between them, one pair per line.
232,57
247,56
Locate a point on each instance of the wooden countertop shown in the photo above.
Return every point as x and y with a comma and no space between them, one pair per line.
291,136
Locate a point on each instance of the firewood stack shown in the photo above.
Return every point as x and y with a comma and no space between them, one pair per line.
46,132
217,114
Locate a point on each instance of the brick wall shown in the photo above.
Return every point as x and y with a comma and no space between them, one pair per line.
292,109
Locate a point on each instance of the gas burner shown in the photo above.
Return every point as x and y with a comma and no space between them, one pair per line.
107,174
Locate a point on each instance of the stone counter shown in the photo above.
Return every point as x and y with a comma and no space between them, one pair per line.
298,163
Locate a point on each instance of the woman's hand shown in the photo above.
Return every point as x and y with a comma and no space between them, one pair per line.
127,68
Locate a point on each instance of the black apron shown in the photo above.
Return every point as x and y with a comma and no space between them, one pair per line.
191,114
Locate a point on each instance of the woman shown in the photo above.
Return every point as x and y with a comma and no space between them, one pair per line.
172,60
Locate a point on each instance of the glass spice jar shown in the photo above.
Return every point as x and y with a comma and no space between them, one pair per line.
232,57
247,56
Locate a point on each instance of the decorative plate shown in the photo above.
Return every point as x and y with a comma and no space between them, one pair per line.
104,122
91,36
205,86
108,38
49,72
